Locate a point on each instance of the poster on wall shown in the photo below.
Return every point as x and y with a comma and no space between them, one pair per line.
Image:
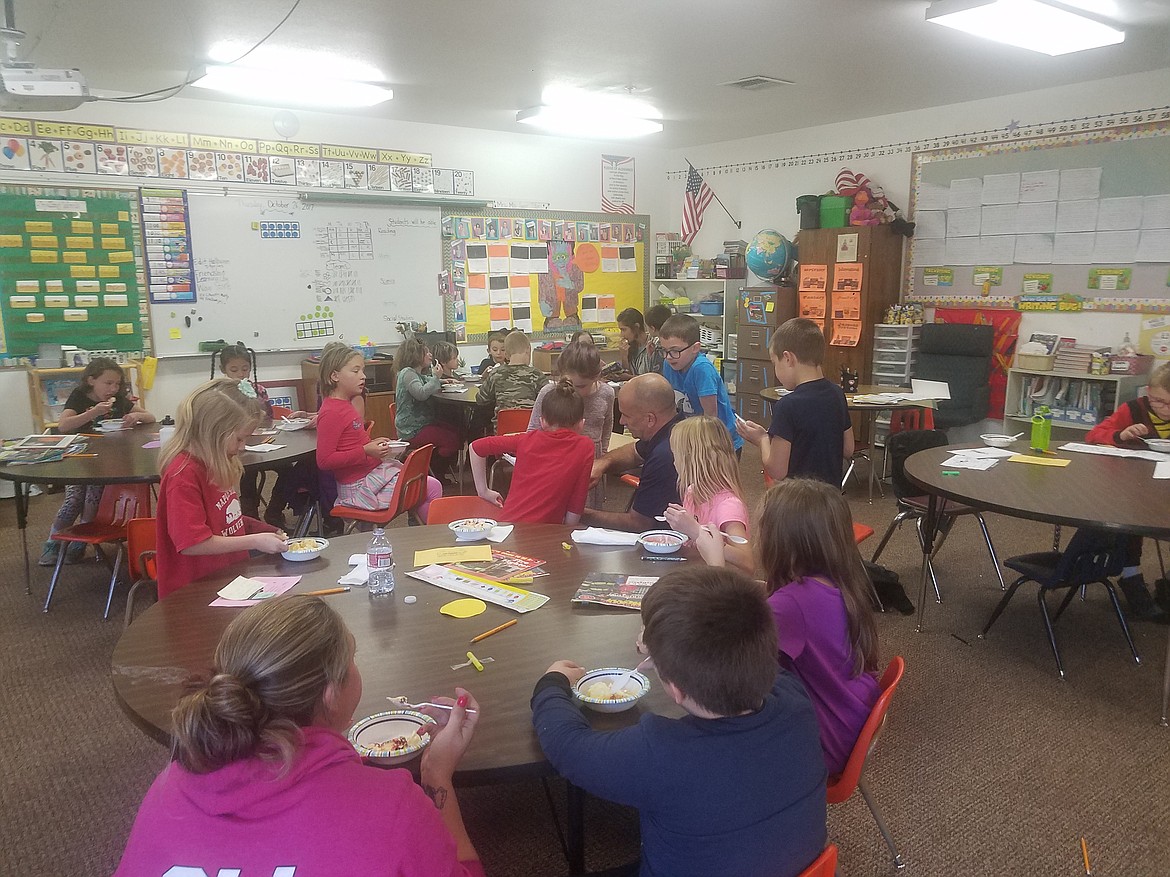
617,184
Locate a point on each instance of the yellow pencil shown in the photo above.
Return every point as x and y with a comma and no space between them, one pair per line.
325,591
1085,853
488,633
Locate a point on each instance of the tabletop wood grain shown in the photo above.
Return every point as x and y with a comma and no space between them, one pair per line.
409,649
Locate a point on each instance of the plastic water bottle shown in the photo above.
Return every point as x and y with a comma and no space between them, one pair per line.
380,562
1041,429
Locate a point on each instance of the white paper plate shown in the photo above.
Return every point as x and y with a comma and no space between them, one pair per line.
292,425
110,426
382,727
309,554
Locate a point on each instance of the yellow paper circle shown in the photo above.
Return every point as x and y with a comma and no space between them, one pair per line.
468,607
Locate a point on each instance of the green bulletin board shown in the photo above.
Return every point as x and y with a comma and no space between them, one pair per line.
68,271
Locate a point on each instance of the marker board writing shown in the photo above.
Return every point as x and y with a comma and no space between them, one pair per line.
285,274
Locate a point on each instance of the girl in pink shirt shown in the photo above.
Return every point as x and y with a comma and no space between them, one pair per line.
365,468
712,507
264,780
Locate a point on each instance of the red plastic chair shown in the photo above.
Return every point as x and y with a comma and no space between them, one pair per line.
841,786
451,508
119,504
141,539
279,411
509,421
409,490
825,865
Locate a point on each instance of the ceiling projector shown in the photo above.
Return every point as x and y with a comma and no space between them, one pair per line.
25,88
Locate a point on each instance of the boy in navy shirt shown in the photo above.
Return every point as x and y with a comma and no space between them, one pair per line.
811,434
737,785
693,377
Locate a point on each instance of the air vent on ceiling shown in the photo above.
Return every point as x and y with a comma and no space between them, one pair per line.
758,82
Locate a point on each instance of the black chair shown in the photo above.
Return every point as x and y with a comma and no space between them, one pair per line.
912,503
1091,557
959,354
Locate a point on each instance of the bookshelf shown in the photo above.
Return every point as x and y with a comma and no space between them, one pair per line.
1108,392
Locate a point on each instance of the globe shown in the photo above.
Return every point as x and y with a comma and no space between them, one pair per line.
769,255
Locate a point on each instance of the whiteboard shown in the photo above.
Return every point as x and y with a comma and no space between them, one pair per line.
284,274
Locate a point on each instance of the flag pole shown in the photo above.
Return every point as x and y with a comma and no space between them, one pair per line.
738,224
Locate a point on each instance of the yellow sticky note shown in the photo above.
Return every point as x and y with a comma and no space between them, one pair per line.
125,328
175,334
11,240
255,226
28,286
770,306
43,241
453,554
84,286
79,226
32,226
82,271
43,256
113,243
108,271
56,301
123,216
75,257
75,242
124,256
22,301
109,228
35,318
85,301
468,607
76,316
1038,461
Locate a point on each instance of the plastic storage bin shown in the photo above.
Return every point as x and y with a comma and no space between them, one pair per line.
835,211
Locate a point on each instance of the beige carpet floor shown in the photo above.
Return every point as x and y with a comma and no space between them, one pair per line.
990,765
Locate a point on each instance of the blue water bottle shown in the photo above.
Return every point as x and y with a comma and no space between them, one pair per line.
1041,429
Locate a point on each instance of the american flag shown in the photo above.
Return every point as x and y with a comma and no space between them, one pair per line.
695,201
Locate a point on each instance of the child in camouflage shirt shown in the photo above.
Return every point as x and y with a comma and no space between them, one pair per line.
515,383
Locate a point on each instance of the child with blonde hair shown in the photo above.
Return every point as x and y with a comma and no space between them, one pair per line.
200,526
712,497
823,601
102,395
365,468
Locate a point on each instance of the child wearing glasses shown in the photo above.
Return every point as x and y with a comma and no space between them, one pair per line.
696,382
811,434
734,786
1146,417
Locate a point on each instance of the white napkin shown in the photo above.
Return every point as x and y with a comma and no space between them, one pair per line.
601,536
1162,469
357,576
262,449
500,532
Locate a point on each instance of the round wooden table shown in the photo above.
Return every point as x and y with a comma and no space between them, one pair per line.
410,649
1112,493
120,458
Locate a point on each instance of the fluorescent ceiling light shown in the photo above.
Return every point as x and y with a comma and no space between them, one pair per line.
1028,24
290,77
573,112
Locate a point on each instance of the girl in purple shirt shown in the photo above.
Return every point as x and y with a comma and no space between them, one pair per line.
821,598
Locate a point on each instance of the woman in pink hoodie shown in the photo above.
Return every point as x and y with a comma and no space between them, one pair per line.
265,782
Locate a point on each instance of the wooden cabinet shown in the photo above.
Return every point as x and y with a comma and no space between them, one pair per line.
49,389
381,376
879,252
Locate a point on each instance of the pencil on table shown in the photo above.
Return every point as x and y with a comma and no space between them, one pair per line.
326,591
488,633
1085,853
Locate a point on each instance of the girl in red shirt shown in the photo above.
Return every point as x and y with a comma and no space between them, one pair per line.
201,527
365,468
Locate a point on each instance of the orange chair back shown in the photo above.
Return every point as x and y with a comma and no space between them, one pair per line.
279,411
911,418
121,502
369,425
409,490
841,786
825,865
393,426
451,508
511,420
141,538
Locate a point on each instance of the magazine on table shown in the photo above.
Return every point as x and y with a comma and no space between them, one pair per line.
614,589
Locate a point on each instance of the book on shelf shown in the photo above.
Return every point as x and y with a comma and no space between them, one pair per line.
614,589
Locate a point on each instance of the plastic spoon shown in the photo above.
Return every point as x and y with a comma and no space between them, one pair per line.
622,681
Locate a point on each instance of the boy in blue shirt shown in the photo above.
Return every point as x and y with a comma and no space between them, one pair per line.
811,434
737,785
692,375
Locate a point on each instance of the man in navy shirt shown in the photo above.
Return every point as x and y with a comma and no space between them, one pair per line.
647,406
811,434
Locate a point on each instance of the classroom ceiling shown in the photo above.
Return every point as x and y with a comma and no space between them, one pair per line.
474,63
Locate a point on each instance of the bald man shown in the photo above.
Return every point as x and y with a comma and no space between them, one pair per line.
648,411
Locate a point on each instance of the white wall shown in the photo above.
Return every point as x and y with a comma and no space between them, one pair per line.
520,167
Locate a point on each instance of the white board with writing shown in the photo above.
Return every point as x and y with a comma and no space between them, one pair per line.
283,274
